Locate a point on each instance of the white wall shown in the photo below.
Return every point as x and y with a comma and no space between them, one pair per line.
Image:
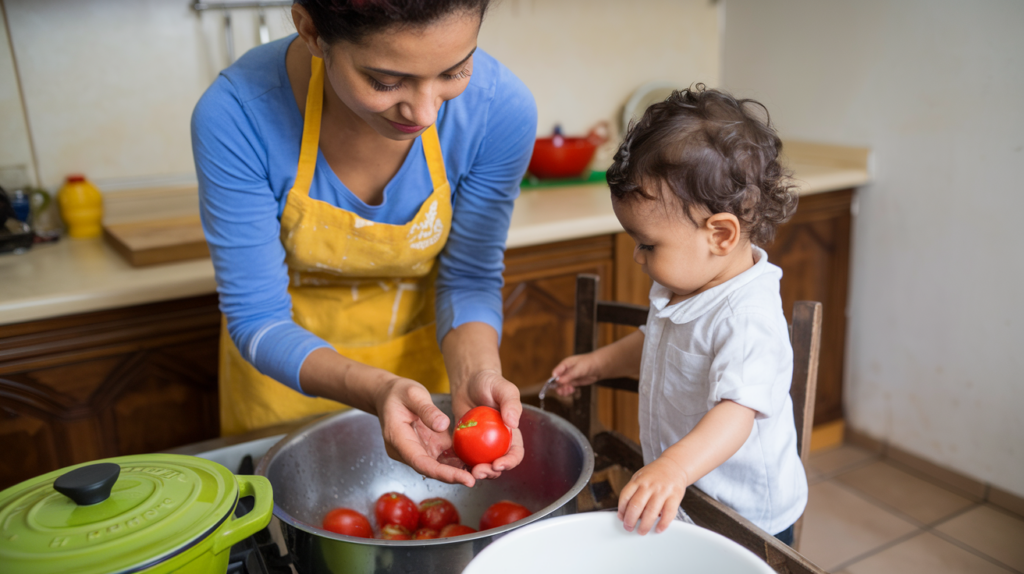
936,330
582,59
110,84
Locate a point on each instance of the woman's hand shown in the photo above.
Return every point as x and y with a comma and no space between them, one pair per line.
576,371
656,490
474,367
416,432
489,388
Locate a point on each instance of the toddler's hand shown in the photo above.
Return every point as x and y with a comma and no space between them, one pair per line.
575,371
655,490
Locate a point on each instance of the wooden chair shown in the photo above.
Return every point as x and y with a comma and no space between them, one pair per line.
805,335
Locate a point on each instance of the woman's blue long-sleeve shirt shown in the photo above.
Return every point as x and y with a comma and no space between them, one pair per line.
246,134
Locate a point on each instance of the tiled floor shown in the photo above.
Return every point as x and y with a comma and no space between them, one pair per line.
868,515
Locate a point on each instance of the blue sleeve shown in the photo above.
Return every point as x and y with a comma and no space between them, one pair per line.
470,278
240,218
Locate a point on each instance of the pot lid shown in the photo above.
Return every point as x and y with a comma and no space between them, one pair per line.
114,515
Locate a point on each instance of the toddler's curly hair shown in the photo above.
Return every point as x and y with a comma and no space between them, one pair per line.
714,152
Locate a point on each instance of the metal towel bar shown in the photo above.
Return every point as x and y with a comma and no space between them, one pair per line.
200,6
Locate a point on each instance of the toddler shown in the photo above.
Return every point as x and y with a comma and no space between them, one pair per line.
698,186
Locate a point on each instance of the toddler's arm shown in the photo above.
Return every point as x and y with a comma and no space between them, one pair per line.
658,488
620,359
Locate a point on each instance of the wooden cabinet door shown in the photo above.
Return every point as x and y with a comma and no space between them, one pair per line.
539,304
110,383
813,250
633,286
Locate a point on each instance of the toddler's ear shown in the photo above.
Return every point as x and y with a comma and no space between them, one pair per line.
724,233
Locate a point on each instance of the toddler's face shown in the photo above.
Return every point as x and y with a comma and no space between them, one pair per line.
669,247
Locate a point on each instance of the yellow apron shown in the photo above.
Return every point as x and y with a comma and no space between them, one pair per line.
366,288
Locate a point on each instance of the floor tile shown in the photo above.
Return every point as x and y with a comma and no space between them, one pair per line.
991,532
905,492
925,553
814,475
839,526
837,459
941,475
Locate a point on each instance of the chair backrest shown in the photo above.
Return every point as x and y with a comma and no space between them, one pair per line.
805,336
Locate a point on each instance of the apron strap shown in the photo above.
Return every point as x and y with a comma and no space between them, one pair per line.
311,129
432,153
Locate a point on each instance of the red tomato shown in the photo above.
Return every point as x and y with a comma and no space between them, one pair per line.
348,522
395,508
502,513
436,513
425,534
481,436
455,530
395,532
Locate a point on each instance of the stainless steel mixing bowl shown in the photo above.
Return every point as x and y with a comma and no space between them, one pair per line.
340,461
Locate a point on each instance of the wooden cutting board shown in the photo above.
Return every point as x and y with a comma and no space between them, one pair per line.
158,241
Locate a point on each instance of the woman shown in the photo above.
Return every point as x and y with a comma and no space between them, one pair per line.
356,184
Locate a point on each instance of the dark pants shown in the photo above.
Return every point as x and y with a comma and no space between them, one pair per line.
787,535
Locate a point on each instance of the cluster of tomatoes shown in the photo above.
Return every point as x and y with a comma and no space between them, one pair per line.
400,518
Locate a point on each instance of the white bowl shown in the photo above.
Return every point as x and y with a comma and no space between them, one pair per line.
596,542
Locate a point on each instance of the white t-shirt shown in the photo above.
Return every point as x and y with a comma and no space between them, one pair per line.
729,342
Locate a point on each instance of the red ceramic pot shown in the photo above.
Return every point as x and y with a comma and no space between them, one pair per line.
559,156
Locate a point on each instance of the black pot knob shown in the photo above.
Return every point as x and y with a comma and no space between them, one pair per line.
88,484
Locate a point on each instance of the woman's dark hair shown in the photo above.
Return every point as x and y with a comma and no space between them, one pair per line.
714,152
353,20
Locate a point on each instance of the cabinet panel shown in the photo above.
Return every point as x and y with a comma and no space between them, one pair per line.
539,299
161,410
29,445
139,379
538,327
813,250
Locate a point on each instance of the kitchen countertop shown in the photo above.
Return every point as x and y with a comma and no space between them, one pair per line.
79,276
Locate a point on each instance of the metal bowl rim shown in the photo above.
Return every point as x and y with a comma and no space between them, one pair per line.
561,423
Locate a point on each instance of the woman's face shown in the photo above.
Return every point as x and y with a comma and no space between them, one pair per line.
397,79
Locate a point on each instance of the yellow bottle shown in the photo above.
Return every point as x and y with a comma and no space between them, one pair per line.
81,206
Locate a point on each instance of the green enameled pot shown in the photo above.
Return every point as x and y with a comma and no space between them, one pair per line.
152,513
